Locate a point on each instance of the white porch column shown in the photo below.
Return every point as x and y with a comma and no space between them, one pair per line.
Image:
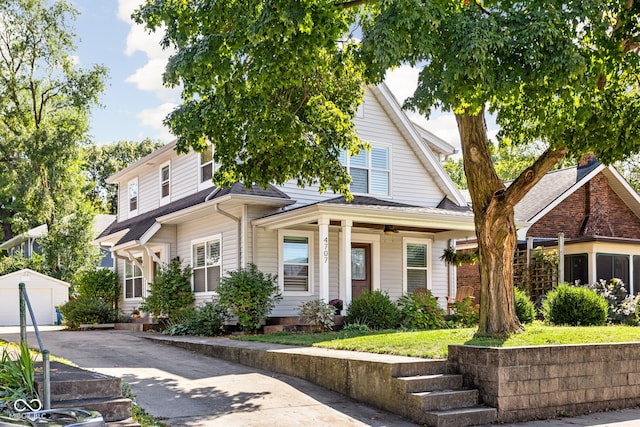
345,262
323,258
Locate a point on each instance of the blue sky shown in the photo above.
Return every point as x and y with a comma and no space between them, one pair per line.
135,102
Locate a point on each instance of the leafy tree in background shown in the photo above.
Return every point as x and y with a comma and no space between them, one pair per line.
45,99
102,161
283,82
67,250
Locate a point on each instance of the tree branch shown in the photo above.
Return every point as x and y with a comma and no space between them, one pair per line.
533,174
351,3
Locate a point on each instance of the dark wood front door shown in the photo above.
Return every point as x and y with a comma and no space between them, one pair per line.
360,268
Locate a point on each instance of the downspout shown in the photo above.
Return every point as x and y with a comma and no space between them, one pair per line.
217,209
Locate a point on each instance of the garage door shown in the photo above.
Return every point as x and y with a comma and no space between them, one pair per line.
41,302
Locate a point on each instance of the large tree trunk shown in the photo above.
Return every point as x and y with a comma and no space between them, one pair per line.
493,205
495,228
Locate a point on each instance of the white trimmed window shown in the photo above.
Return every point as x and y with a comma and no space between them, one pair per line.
417,265
165,183
206,261
295,267
205,163
133,197
132,279
370,170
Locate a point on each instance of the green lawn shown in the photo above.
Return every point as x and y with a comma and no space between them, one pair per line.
434,344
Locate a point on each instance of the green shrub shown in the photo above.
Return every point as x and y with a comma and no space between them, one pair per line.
525,308
574,305
209,319
170,293
374,309
249,294
319,314
420,310
17,377
355,327
84,310
622,306
100,284
464,313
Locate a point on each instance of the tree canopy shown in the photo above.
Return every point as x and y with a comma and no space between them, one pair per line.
45,99
274,85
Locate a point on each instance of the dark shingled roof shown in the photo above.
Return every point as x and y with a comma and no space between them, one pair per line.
139,224
553,185
450,206
366,201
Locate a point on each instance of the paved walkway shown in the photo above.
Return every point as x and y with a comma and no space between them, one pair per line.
183,388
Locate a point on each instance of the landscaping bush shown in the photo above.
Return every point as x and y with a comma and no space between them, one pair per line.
355,327
209,319
420,310
465,313
318,314
622,306
17,378
525,308
574,305
101,284
206,320
250,295
374,309
170,293
84,310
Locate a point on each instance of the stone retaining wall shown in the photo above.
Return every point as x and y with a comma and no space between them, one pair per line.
526,383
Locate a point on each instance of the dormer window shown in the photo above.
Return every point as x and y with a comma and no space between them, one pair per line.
165,183
206,167
370,170
133,197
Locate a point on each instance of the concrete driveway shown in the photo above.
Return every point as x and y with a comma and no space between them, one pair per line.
182,388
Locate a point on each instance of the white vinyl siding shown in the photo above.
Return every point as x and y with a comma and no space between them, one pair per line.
206,262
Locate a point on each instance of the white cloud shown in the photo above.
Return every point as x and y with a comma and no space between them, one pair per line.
153,118
402,81
148,77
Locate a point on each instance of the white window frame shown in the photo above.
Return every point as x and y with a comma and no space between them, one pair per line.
295,233
133,284
205,241
369,168
209,183
165,199
428,268
133,212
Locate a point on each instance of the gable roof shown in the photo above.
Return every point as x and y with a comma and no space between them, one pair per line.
417,143
18,277
134,228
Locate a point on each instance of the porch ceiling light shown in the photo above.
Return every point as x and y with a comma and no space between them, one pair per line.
389,229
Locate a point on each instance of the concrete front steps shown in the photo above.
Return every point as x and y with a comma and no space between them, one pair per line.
73,387
438,399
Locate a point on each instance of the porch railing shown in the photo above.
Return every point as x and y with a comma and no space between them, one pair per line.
24,301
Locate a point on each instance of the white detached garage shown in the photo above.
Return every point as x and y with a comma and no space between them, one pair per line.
45,293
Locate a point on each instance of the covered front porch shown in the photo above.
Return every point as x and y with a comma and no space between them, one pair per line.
337,250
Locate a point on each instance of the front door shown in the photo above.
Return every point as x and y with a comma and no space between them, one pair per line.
360,268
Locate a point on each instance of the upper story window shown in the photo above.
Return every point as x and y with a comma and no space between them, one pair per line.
165,183
206,167
370,170
133,197
295,261
206,263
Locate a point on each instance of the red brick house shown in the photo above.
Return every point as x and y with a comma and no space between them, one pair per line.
599,214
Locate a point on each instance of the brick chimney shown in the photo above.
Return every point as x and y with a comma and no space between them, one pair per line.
596,215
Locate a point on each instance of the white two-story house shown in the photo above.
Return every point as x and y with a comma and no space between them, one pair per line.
389,237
